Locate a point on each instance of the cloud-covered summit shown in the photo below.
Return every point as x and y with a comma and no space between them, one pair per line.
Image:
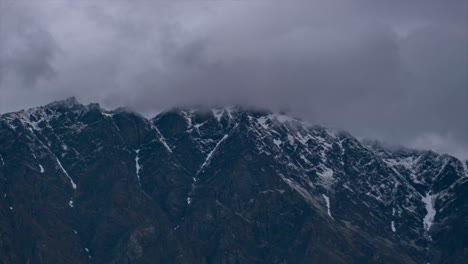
393,70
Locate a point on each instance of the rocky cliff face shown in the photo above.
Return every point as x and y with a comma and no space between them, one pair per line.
80,184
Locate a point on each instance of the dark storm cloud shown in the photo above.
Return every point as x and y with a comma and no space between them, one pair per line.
393,70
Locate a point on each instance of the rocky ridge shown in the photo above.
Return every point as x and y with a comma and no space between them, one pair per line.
81,184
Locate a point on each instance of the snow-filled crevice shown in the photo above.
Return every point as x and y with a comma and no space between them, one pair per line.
208,157
2,162
137,165
162,139
41,168
46,146
59,164
428,201
87,252
70,203
327,202
205,163
192,191
392,224
85,249
66,173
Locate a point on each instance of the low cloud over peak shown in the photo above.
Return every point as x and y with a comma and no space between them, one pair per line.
392,70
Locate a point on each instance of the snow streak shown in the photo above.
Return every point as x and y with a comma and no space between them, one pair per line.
327,201
161,138
205,163
208,157
66,173
137,165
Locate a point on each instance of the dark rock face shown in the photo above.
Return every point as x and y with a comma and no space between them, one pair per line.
79,184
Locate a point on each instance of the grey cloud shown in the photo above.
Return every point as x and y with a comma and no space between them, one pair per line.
27,49
392,70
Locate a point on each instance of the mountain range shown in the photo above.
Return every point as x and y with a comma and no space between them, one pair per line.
82,184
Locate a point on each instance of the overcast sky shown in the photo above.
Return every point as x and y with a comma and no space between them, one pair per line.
393,70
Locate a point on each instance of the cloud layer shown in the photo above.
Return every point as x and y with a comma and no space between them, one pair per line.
393,70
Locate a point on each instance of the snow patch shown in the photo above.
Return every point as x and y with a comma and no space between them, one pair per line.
41,168
326,176
70,203
277,143
408,164
327,202
229,110
431,212
197,126
194,185
262,121
305,159
188,118
218,114
2,161
323,142
303,140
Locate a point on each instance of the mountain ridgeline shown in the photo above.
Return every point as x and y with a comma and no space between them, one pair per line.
80,184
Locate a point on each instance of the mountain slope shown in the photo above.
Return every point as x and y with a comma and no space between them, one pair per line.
84,185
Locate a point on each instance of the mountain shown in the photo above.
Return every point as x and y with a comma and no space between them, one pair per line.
80,184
